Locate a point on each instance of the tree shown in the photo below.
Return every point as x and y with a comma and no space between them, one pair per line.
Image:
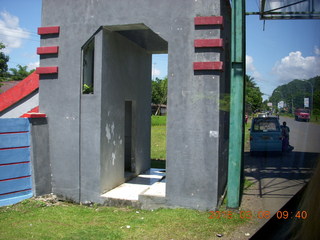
253,95
20,72
3,63
294,92
159,92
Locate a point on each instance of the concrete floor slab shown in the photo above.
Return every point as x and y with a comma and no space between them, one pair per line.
147,181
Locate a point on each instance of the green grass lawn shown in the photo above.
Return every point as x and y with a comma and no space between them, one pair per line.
158,137
158,120
34,219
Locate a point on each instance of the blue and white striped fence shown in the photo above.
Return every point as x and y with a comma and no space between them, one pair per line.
15,165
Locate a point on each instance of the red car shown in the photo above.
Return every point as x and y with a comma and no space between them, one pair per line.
302,114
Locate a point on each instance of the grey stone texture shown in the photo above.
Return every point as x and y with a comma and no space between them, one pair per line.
87,131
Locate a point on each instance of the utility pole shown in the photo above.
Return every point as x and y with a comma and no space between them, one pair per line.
236,102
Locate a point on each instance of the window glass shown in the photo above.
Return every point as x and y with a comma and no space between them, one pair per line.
265,125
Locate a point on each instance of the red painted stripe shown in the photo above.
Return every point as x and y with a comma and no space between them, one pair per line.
13,148
48,30
212,20
19,91
24,190
208,43
33,110
208,66
6,164
46,70
47,50
9,179
34,115
13,132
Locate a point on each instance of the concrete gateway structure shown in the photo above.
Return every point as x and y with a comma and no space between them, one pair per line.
95,87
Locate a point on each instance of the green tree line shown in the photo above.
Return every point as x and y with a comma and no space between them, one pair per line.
19,73
294,92
159,91
253,95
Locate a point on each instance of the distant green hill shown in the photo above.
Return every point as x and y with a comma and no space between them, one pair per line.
294,92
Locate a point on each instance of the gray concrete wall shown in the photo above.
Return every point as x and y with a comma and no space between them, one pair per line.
193,145
41,168
90,131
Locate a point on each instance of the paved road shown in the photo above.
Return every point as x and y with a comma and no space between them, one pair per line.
304,136
278,178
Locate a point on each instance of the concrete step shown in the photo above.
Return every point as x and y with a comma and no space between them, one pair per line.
144,191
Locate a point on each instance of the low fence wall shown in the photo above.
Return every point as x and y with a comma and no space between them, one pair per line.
15,161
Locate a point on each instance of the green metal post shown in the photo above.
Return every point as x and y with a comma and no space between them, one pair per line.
236,102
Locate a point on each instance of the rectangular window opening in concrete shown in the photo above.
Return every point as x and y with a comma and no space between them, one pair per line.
88,67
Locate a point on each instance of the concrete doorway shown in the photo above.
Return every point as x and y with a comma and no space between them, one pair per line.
120,100
128,141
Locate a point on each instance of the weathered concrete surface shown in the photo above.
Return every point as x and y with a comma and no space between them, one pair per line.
41,171
197,132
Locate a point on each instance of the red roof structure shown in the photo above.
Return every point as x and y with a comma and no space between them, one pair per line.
19,91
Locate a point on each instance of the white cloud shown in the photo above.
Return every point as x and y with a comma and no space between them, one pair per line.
11,33
33,65
316,50
250,68
155,72
295,66
249,64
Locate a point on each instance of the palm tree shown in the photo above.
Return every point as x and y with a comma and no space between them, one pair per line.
20,72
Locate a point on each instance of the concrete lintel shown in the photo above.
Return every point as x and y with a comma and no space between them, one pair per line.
125,27
142,35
